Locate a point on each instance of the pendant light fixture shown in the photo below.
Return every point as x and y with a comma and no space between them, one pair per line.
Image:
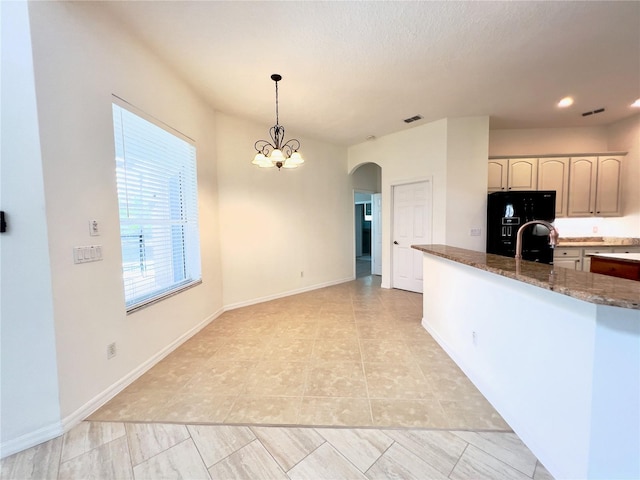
277,154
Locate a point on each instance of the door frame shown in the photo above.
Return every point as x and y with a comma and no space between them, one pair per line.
391,190
353,224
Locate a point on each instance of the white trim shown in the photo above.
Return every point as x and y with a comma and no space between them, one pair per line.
267,298
31,439
56,429
110,392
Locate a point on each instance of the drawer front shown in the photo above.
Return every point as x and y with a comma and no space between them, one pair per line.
629,249
596,250
564,252
615,268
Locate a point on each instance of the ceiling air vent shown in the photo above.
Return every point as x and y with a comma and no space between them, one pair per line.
413,119
599,110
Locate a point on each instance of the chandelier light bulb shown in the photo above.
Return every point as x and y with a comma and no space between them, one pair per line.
259,159
267,164
296,158
277,156
289,164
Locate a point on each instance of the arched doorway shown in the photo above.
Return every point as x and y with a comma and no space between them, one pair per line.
366,181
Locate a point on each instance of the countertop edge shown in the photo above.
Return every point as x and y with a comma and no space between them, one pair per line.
553,281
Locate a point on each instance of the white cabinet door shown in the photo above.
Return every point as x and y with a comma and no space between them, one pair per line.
553,174
570,263
523,174
568,257
498,171
582,186
608,187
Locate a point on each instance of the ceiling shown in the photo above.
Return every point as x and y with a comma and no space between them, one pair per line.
355,69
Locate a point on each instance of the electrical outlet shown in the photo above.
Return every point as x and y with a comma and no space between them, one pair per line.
595,229
475,232
301,274
94,228
474,339
111,350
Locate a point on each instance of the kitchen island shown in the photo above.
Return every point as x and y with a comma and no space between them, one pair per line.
556,351
622,265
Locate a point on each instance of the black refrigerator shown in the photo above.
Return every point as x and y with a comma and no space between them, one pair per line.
508,211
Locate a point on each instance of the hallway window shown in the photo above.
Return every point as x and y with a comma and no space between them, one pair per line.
158,204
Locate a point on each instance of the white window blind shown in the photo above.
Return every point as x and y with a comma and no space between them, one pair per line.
158,203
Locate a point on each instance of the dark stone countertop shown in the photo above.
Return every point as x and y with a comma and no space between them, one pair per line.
586,286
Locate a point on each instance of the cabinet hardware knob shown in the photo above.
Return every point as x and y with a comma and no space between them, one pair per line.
395,242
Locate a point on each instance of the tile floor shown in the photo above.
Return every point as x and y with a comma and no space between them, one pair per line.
349,355
140,451
341,382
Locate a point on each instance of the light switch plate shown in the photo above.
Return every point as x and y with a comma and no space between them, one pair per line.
89,253
94,228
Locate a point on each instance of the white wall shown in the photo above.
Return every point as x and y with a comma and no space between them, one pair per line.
467,144
412,155
29,378
367,178
623,136
81,58
451,151
539,141
281,231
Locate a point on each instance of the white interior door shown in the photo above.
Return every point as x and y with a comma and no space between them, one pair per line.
376,234
411,226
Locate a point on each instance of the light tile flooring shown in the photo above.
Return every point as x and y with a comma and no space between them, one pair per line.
241,400
349,355
140,451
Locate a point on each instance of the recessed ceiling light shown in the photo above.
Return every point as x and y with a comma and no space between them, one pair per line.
636,103
565,102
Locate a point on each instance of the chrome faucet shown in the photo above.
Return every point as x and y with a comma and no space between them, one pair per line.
553,235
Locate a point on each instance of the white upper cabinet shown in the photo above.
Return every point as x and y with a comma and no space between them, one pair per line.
498,170
523,174
594,186
608,203
553,174
513,174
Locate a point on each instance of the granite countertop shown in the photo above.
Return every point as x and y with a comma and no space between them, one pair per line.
597,241
627,257
586,286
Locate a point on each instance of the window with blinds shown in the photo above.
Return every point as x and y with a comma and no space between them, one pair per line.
158,203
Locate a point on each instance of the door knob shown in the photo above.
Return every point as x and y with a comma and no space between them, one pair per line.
395,242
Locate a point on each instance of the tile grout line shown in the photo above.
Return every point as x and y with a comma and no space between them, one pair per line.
460,457
364,372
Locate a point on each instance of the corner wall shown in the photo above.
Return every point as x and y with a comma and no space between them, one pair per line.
283,231
29,378
81,57
467,144
453,153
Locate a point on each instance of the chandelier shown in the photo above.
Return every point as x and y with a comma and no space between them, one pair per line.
276,153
